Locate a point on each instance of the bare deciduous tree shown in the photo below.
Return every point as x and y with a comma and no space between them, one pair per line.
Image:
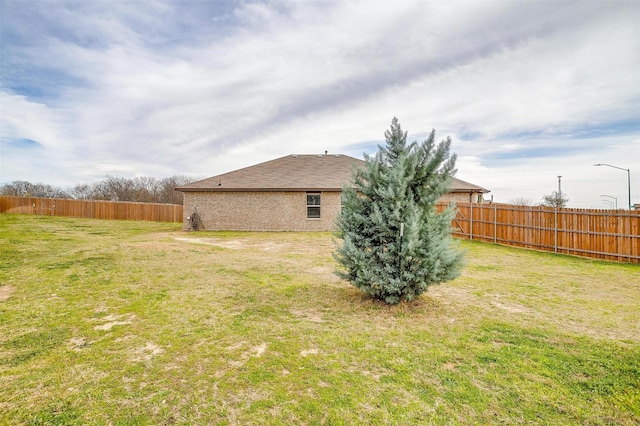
21,188
521,201
140,189
555,199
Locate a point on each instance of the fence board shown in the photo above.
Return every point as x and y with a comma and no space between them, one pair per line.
92,209
604,234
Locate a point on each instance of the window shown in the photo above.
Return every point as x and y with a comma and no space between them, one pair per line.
313,206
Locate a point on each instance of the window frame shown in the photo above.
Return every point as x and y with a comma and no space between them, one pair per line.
314,207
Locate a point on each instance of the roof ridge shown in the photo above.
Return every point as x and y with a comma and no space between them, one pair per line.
293,172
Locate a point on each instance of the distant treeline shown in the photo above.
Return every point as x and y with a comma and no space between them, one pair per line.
140,189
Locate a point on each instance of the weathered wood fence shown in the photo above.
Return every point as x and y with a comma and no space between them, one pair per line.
92,209
604,234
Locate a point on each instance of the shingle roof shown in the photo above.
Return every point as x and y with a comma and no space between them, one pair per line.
290,173
329,172
458,185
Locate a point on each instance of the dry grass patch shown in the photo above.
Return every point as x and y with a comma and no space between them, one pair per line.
141,323
6,291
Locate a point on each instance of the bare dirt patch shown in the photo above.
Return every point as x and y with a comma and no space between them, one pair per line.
111,321
308,315
259,350
232,244
509,307
6,291
307,352
147,352
265,243
243,357
225,243
78,343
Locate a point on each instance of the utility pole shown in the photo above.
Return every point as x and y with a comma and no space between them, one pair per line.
559,187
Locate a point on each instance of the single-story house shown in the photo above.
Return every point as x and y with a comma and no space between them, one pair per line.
292,193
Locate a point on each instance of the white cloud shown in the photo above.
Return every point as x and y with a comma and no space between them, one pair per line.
161,88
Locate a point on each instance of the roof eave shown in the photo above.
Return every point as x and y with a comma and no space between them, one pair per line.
258,189
468,190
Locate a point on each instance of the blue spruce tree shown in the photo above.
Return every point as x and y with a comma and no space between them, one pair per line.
395,243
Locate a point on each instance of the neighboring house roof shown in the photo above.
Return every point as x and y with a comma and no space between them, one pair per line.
458,185
329,172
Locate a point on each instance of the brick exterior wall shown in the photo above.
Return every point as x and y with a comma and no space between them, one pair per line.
462,197
271,211
260,211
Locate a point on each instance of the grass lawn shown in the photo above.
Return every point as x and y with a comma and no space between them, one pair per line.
116,322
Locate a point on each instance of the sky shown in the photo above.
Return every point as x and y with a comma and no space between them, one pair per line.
527,90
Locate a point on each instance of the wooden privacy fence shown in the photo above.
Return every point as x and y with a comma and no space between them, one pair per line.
603,234
92,209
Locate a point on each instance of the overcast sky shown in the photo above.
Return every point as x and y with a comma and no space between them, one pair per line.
526,90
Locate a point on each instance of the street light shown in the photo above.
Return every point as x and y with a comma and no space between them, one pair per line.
628,178
560,186
610,201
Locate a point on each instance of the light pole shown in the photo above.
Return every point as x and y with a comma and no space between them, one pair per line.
609,203
559,186
628,178
616,200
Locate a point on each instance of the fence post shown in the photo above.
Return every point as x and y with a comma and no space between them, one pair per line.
495,224
555,229
471,221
